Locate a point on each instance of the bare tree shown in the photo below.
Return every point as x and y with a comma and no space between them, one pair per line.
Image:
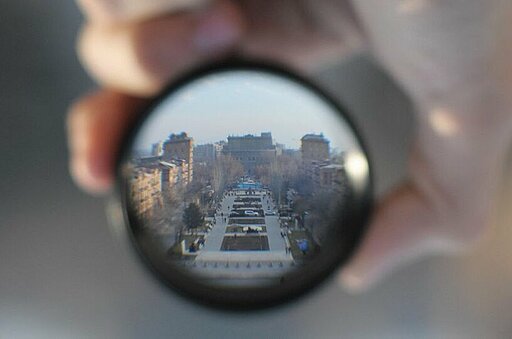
225,170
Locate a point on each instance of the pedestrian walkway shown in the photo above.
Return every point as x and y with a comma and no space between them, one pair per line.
214,240
214,262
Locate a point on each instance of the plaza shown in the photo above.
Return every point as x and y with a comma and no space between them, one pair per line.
241,247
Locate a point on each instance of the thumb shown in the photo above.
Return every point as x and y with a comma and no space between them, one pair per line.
400,233
140,57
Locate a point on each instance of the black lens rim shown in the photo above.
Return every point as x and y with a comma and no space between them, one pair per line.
254,298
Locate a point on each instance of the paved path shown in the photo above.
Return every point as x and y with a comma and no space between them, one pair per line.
213,262
214,240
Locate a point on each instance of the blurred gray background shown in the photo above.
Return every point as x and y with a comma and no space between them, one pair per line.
63,275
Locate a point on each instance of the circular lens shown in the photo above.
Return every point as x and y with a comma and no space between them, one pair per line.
244,186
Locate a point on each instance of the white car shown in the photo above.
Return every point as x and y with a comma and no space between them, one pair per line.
251,213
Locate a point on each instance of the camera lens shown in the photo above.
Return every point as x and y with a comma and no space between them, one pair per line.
244,186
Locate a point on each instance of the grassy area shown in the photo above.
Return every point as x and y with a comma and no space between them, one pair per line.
297,254
252,243
239,229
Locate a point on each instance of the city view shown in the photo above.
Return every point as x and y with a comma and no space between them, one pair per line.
244,210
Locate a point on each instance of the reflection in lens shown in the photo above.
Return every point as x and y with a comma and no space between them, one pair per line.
240,178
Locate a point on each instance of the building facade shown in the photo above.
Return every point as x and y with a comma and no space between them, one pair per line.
331,177
207,153
151,177
174,173
179,147
318,167
251,150
314,147
145,191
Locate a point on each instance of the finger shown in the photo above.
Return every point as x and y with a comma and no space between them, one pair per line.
401,232
108,11
306,35
95,126
423,218
462,131
141,58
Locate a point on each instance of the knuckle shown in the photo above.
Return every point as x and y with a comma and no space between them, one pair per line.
122,57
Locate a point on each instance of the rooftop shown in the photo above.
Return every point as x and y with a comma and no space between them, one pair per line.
314,137
178,137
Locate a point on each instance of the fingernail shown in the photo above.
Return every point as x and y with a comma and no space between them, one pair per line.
216,31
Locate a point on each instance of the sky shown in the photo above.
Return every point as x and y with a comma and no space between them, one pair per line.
238,102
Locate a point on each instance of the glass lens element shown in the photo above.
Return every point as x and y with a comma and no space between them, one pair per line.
243,180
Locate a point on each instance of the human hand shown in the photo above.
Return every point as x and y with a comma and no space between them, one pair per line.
133,47
453,59
458,150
